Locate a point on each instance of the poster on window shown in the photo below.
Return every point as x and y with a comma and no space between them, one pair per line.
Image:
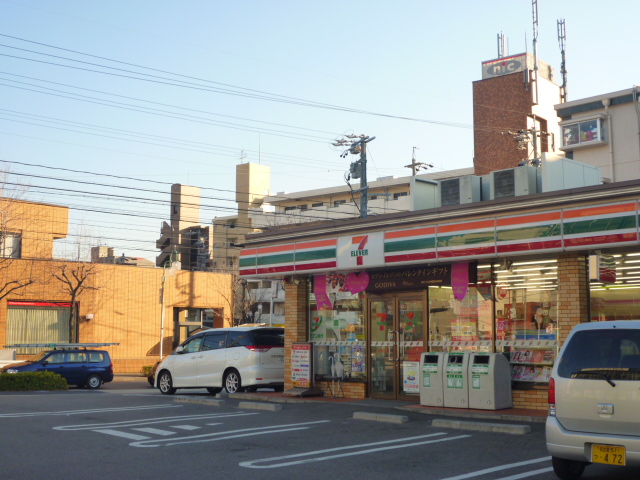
410,382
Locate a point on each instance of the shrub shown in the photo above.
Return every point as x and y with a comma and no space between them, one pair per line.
23,381
146,370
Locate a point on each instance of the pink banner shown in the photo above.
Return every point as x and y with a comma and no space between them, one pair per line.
460,280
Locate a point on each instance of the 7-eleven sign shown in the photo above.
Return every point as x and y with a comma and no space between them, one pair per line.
361,251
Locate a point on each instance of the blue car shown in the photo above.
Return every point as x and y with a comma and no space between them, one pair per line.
79,366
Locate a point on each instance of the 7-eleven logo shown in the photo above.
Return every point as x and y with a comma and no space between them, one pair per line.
360,252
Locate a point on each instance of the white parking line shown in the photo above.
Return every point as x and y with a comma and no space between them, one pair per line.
150,421
527,474
80,412
155,431
219,436
479,473
118,433
386,445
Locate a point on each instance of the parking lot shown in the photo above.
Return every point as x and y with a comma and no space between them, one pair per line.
129,430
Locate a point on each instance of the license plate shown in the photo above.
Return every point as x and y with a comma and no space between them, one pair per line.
609,454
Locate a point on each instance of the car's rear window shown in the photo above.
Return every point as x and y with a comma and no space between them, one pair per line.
592,353
269,337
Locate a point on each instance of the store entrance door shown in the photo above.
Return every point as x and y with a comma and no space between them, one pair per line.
396,333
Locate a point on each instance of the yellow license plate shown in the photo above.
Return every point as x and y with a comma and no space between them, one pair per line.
609,454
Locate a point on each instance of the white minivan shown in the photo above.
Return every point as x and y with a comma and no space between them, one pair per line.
594,398
236,359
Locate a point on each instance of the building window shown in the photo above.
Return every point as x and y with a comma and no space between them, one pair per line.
337,203
302,207
373,197
397,195
10,245
319,204
581,133
288,209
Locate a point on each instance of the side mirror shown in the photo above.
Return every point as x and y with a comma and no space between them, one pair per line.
180,349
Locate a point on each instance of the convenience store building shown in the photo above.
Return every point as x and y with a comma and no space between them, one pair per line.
511,275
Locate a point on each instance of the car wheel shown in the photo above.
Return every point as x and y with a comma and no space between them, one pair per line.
165,384
151,379
232,382
567,469
93,382
278,389
214,391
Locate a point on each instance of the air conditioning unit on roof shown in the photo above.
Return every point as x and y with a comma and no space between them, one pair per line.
460,190
514,182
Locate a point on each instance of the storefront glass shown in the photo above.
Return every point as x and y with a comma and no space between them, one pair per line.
338,333
526,318
615,287
460,324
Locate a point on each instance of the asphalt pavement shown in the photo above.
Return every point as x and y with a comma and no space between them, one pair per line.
267,395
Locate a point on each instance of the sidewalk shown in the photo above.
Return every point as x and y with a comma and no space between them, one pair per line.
507,414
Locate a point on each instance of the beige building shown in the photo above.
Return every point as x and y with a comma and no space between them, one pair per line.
602,131
146,311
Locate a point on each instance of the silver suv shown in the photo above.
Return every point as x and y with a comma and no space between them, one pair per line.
594,399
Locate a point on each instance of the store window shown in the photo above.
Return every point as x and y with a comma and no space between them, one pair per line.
526,317
615,286
581,133
460,324
337,329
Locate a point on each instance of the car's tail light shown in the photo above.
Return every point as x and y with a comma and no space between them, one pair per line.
551,398
111,368
259,348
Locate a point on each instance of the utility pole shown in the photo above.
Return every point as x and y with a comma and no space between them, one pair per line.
415,165
357,144
526,137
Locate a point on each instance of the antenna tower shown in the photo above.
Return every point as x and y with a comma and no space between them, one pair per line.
502,46
562,38
534,6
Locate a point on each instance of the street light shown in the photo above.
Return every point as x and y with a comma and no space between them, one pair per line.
174,266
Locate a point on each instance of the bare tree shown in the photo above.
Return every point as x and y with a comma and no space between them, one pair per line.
240,302
76,278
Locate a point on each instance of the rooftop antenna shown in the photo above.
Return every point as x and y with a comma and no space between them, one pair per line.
562,38
534,5
503,49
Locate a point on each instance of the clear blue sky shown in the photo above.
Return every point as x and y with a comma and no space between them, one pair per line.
410,59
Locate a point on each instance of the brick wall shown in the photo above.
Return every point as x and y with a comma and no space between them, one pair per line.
573,293
534,399
500,104
296,324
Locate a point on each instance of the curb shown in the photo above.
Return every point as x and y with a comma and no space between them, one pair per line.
269,407
378,417
213,402
482,427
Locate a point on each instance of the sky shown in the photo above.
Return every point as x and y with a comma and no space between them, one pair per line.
104,105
